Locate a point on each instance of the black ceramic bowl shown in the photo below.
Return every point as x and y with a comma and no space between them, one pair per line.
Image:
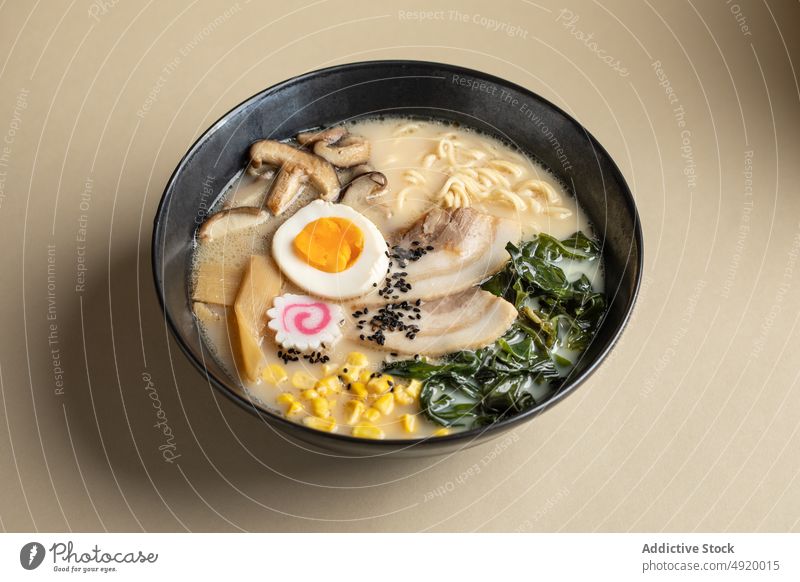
420,89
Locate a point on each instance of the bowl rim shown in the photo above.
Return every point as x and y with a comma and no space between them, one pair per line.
474,433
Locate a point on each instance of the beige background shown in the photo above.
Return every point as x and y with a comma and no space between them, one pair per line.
692,424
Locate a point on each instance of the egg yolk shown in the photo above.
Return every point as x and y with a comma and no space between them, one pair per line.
330,244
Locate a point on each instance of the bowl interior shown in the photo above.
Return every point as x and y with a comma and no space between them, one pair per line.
418,89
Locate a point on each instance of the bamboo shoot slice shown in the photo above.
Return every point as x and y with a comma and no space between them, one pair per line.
217,283
260,284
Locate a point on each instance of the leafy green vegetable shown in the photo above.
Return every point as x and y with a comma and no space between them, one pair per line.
475,388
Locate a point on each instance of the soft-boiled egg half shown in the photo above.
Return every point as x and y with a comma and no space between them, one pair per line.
331,251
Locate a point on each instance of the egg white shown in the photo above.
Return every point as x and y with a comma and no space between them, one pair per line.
360,278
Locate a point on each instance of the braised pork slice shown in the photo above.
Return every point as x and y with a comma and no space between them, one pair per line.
463,276
468,320
455,238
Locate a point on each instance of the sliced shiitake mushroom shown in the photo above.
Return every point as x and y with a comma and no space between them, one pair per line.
347,175
329,135
224,222
349,151
364,189
288,185
296,167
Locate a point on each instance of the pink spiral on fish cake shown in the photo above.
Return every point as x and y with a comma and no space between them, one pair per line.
305,323
300,319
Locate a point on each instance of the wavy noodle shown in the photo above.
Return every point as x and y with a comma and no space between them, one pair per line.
540,188
414,177
481,175
506,166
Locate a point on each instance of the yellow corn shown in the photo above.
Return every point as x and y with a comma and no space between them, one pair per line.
409,422
320,407
286,398
367,431
364,376
403,397
380,384
372,414
357,359
414,388
354,408
385,403
359,389
294,408
303,380
350,373
441,432
309,394
329,369
329,384
326,424
274,374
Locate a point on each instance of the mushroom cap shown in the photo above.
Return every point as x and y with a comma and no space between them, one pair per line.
330,135
349,151
365,187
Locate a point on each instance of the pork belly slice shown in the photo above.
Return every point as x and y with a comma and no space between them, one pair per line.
468,320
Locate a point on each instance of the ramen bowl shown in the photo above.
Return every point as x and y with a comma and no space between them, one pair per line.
424,90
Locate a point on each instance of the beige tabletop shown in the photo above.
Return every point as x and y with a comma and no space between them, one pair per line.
692,424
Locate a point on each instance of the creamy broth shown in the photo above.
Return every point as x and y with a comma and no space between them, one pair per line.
410,154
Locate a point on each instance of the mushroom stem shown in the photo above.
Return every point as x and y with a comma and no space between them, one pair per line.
287,186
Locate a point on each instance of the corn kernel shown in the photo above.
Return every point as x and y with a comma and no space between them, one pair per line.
409,422
303,380
367,431
403,397
359,389
385,403
364,376
414,388
350,373
309,394
441,432
372,414
354,408
328,369
357,359
274,374
320,407
294,408
328,384
380,384
326,424
286,398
